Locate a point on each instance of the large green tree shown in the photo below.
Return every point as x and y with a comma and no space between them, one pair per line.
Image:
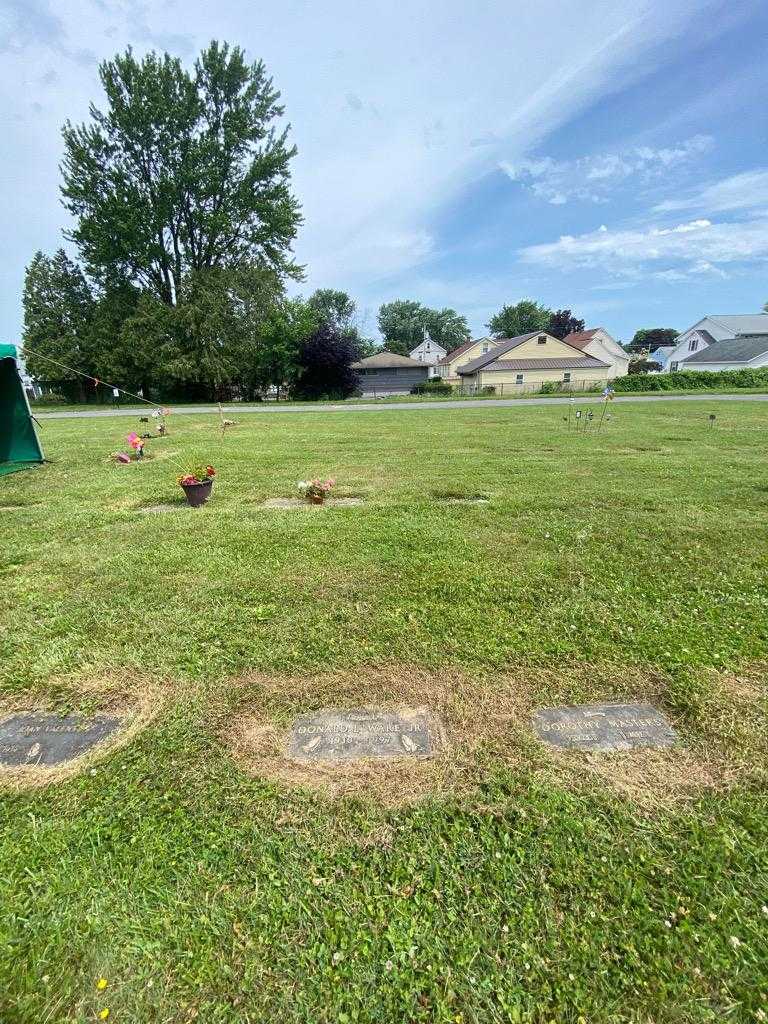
522,318
404,322
211,338
182,172
283,332
58,315
334,307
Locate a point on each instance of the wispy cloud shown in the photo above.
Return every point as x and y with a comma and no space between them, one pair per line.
681,252
31,24
746,191
593,178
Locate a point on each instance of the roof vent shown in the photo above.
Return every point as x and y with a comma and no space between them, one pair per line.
542,339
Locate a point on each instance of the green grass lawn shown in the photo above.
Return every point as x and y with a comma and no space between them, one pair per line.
231,407
504,884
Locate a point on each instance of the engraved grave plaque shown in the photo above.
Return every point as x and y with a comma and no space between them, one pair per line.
35,738
359,733
604,727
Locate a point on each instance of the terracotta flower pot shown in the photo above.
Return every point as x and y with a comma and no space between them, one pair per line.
197,494
317,499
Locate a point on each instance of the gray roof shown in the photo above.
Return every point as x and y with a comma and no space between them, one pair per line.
386,360
733,350
494,360
583,363
503,345
742,323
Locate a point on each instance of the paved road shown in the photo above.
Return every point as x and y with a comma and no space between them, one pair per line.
507,403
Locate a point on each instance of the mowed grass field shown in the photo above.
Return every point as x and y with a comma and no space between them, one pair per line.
501,884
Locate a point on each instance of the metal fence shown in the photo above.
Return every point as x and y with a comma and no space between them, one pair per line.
529,387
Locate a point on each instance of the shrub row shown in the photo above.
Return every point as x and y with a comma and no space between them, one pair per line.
692,380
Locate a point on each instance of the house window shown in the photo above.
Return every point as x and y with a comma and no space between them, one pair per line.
567,377
486,348
429,349
542,339
519,378
693,344
674,367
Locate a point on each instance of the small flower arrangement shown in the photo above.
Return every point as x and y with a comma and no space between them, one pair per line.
137,443
197,484
316,491
197,475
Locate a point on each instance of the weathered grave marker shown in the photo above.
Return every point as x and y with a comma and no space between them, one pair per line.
297,503
604,727
34,738
358,733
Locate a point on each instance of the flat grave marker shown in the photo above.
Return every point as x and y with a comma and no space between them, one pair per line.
34,738
294,503
360,733
167,507
469,499
604,727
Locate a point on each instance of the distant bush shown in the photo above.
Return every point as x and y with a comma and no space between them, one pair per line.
51,398
433,386
692,380
551,387
489,389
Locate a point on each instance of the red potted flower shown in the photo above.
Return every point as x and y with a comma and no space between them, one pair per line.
197,485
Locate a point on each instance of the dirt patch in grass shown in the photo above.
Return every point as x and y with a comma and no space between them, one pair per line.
486,725
163,507
134,701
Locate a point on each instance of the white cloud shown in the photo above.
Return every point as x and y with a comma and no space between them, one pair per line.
746,191
593,178
695,248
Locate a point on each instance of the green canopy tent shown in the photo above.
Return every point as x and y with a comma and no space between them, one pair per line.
19,446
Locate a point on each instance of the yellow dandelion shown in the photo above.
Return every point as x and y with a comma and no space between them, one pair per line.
101,984
104,1013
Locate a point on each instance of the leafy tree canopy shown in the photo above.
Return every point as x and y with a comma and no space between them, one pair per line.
325,360
285,329
334,307
181,173
58,313
522,318
643,366
562,323
650,338
403,324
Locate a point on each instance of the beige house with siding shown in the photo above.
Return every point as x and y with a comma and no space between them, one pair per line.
447,368
599,343
530,360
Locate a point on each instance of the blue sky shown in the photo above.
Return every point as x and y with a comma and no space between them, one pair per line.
610,157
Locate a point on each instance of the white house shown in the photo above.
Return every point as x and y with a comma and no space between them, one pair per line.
745,352
706,332
598,342
428,352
